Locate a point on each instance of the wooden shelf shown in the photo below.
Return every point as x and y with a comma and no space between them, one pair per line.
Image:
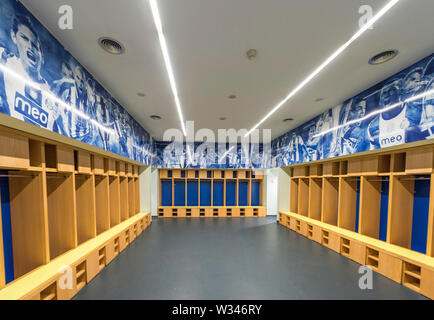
85,205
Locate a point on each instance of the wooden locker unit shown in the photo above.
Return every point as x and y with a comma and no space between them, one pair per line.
85,208
65,159
303,197
293,205
97,165
123,183
347,203
61,206
102,204
419,161
82,162
329,201
14,151
370,206
315,198
131,197
115,201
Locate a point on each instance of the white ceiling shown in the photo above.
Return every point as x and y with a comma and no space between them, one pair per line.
208,40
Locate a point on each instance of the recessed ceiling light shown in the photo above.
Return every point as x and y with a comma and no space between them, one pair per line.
383,57
223,118
155,117
141,94
111,45
251,54
232,97
319,99
329,60
288,119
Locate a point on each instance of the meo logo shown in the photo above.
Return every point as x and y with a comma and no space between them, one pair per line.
31,111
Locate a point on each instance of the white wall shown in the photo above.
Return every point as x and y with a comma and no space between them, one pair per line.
283,190
271,183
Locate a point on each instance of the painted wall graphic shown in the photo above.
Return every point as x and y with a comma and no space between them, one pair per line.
387,114
210,156
42,84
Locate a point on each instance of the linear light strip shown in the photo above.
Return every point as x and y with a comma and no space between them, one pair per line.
361,31
165,51
374,113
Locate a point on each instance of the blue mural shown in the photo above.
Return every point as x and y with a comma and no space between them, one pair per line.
42,84
210,156
395,111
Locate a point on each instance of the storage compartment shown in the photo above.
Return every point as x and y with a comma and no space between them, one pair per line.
102,204
85,204
243,193
330,200
131,198
14,151
27,218
410,212
372,258
349,198
61,220
411,276
325,237
97,164
293,206
80,275
137,194
50,156
343,167
35,153
49,293
315,199
374,202
345,247
315,170
123,182
330,169
218,193
115,202
303,197
301,171
82,162
398,162
384,163
102,258
419,161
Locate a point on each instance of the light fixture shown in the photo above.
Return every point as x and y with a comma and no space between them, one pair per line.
232,97
223,118
383,57
251,54
111,45
288,119
319,99
169,69
141,94
377,112
341,49
155,117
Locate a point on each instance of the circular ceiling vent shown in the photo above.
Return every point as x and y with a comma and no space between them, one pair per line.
110,45
155,117
383,57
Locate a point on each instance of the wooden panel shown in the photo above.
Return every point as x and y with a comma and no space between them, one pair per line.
357,252
115,201
84,163
102,204
98,164
14,151
65,159
111,167
293,224
347,204
92,265
85,204
302,171
419,161
315,198
370,165
370,206
131,198
124,198
303,197
315,170
354,166
330,169
390,266
137,194
330,201
400,212
427,283
29,222
2,266
303,228
334,242
61,213
293,205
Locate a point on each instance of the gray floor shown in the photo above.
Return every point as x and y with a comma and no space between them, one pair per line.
228,259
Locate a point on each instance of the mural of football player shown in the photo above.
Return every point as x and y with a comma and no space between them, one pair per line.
427,121
26,100
388,128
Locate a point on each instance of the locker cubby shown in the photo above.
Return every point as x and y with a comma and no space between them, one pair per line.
174,212
303,197
316,170
330,169
188,212
398,162
27,218
255,212
298,225
123,183
116,246
97,164
161,212
310,231
410,212
293,207
115,201
80,275
345,247
330,200
102,209
372,258
202,212
325,237
384,163
85,208
343,167
374,203
14,151
315,198
49,293
242,212
61,213
419,161
131,198
137,194
36,153
102,258
229,212
50,156
348,208
215,212
411,276
301,171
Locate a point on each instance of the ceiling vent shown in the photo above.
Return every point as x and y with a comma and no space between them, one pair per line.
383,57
111,46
